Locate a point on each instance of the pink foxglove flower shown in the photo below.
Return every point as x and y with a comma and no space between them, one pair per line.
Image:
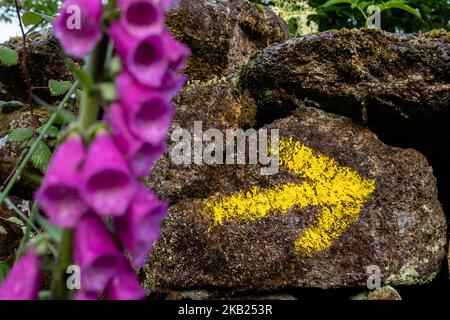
108,183
172,83
145,58
149,113
176,51
140,227
86,295
150,120
131,92
22,283
141,17
59,194
141,155
125,285
78,26
95,253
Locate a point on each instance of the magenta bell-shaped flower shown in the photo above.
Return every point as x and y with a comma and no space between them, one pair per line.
141,155
22,283
78,26
149,113
86,295
59,194
172,83
176,51
108,183
125,285
145,58
141,17
150,120
95,253
132,92
140,227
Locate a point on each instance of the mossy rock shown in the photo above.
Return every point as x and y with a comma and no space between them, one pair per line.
223,34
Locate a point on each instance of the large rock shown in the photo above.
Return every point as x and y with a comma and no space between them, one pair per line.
216,103
367,204
11,153
12,233
398,85
223,34
384,293
46,61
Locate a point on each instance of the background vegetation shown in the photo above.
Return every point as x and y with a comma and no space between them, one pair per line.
435,15
45,7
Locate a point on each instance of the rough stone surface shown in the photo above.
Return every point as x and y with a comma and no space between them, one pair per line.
9,242
220,295
384,293
46,61
398,85
401,228
223,34
218,104
11,152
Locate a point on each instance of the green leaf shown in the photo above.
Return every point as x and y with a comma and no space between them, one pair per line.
54,232
16,221
85,80
41,157
52,131
364,4
3,231
10,103
46,17
330,3
4,269
396,4
65,116
31,18
20,134
8,57
59,88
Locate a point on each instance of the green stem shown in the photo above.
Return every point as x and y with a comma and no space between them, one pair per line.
91,97
27,232
59,286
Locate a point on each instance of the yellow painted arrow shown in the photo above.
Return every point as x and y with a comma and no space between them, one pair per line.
339,191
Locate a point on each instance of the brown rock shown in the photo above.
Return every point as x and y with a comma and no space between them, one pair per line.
401,227
217,103
9,242
223,34
46,61
398,85
221,295
384,293
11,152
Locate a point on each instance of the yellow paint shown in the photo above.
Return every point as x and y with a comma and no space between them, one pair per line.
339,191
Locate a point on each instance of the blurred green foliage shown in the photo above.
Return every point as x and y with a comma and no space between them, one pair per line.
435,15
46,7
